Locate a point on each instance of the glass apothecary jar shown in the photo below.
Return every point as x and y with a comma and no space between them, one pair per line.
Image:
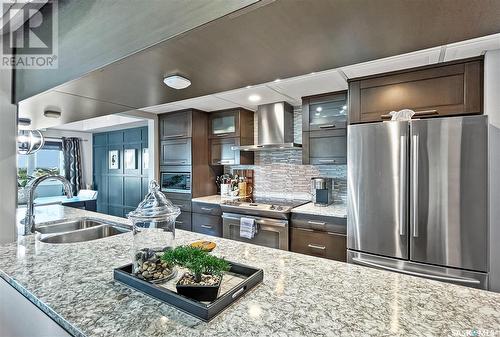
154,233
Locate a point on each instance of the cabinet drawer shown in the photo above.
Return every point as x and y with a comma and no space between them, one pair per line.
207,224
183,221
319,223
175,125
176,152
322,244
184,205
205,208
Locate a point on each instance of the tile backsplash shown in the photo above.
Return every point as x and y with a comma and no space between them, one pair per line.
281,173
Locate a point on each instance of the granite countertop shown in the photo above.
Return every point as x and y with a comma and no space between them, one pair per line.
211,199
300,295
334,210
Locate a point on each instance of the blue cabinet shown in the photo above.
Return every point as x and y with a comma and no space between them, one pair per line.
123,186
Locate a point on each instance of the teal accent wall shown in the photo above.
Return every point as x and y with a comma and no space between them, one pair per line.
122,189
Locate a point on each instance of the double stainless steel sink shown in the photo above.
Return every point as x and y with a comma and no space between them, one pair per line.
79,230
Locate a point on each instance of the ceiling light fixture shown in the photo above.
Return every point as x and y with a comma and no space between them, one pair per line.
52,114
254,98
177,82
319,109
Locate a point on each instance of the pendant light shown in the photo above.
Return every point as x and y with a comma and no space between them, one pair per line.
29,141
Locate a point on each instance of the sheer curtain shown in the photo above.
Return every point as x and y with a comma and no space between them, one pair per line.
73,162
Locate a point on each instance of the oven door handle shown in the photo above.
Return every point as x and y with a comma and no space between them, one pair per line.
265,222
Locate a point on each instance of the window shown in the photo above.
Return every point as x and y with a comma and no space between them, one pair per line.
49,159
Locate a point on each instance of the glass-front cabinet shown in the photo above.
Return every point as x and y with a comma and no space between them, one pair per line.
324,129
325,111
224,124
229,128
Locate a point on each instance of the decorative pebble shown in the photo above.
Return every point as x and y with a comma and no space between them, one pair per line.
150,267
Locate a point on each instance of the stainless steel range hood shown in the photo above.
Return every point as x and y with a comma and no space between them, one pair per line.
274,129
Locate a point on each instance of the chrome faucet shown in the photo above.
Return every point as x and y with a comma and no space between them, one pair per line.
29,220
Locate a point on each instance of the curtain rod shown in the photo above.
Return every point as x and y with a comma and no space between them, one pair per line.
57,139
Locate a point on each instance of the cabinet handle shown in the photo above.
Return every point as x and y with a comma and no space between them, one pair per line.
224,161
175,162
206,209
175,136
327,161
316,223
327,126
222,134
303,229
316,246
206,226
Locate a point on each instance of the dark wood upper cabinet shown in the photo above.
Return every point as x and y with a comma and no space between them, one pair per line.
324,126
231,123
175,152
446,89
228,128
328,147
176,125
221,153
322,112
183,143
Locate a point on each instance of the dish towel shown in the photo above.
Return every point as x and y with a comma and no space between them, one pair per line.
248,228
402,115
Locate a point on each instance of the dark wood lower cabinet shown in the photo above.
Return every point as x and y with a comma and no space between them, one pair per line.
207,224
322,244
183,221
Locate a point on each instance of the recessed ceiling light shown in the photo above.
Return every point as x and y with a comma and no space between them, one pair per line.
177,82
319,109
254,98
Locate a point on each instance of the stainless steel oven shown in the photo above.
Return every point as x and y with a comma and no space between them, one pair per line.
179,182
271,233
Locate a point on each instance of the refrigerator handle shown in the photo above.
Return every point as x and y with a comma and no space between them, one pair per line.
413,273
414,185
402,186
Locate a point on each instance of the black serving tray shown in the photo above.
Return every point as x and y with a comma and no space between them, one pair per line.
203,310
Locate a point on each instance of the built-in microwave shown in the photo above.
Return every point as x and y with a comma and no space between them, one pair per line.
178,182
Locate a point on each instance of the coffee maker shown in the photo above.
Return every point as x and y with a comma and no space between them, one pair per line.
322,191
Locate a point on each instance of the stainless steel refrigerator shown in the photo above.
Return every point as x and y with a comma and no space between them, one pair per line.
417,198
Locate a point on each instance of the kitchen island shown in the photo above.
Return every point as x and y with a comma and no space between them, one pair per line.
300,295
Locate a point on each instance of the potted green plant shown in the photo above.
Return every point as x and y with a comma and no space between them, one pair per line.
202,281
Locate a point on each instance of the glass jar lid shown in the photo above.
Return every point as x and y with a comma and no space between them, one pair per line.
154,207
